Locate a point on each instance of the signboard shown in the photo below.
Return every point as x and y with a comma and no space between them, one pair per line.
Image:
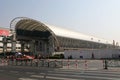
4,32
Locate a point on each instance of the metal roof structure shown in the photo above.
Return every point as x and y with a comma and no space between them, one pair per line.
76,35
34,25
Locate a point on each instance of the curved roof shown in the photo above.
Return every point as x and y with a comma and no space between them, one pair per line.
30,24
76,35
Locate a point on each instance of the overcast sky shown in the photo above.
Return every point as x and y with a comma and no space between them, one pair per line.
100,18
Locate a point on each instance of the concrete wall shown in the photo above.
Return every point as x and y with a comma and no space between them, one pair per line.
97,53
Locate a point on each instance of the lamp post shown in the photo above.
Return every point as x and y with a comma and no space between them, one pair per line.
92,49
105,61
99,44
92,43
106,44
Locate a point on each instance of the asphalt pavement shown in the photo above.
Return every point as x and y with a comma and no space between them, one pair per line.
35,73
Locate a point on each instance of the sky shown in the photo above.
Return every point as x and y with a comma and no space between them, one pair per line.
100,18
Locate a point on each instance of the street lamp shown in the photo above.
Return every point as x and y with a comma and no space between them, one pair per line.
99,44
92,49
106,44
92,42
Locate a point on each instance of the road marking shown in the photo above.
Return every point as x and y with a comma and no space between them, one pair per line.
30,73
86,76
82,71
14,71
27,79
93,69
1,70
43,73
93,74
63,78
51,77
37,76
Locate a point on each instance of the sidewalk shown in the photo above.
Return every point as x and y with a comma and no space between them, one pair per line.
116,69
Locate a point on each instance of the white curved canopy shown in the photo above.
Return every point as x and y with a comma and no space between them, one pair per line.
30,24
76,35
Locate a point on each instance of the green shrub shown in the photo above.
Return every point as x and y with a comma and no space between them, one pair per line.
57,56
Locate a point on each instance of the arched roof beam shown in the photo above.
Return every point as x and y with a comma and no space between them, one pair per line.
31,25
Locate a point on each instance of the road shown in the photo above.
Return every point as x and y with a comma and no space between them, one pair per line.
31,73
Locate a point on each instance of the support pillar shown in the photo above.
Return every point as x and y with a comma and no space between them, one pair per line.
4,45
32,47
13,44
22,46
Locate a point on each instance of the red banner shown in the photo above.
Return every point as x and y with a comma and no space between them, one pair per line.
4,32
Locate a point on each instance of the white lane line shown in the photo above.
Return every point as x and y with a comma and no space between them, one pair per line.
102,71
63,78
91,74
79,71
27,79
14,71
43,73
51,77
1,70
30,73
37,76
79,76
93,68
114,74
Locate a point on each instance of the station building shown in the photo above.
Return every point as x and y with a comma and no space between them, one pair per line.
6,45
44,39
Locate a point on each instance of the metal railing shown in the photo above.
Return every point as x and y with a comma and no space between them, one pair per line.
63,63
37,63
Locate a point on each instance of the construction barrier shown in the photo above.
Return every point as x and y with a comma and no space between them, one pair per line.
62,63
3,62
